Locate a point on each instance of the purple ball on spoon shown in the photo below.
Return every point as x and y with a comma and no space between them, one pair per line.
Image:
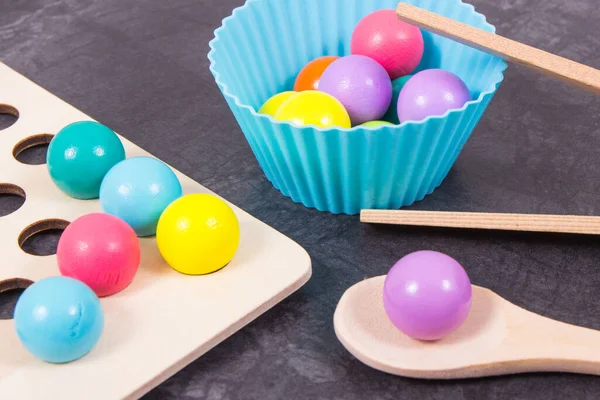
361,84
427,295
431,92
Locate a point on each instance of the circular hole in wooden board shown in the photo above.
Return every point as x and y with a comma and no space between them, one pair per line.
32,150
41,238
10,291
12,197
8,116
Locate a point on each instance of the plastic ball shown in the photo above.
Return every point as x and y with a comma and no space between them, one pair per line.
375,124
198,234
396,45
137,190
58,319
311,107
361,85
392,113
431,92
80,155
309,77
271,106
427,295
100,250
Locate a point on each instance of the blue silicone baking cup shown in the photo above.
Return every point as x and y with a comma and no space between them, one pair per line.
259,50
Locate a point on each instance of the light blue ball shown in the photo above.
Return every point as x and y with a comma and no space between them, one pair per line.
59,319
137,190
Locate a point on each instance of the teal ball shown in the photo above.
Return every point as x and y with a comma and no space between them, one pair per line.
59,319
392,113
80,155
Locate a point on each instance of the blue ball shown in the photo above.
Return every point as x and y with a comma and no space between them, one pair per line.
138,190
59,319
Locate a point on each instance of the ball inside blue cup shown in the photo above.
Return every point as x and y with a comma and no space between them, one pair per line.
138,190
59,319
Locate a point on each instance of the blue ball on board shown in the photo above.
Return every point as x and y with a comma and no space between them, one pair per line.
59,319
138,190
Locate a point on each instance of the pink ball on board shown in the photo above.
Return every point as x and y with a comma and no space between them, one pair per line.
100,250
396,45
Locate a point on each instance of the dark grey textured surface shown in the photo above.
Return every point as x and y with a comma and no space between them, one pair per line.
141,68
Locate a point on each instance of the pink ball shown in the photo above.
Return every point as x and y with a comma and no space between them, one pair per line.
394,44
100,250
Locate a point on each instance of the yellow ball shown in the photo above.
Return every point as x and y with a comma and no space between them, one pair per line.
311,107
272,105
198,234
375,124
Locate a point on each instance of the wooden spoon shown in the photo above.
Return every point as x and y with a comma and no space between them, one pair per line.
497,338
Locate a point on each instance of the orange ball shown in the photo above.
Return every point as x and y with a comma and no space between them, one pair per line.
308,78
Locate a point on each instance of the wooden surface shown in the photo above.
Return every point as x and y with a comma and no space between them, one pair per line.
163,320
497,338
549,64
471,220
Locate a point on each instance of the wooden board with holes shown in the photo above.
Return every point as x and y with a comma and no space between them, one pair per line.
163,320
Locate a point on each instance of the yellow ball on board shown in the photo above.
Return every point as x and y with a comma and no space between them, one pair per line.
198,234
272,105
314,108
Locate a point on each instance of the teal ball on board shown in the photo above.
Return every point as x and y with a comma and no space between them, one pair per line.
392,113
80,155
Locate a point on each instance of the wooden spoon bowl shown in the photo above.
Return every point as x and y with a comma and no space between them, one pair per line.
497,338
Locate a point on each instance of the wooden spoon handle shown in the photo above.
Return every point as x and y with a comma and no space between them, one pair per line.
568,71
555,346
513,222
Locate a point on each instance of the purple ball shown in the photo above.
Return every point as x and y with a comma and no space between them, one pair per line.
431,92
361,84
427,295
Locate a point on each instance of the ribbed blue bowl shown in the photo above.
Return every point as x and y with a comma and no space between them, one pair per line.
261,47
